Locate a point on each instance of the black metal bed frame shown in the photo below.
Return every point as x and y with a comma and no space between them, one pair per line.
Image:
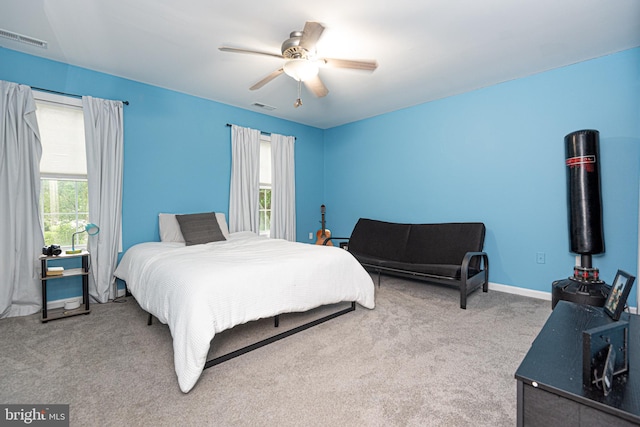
228,356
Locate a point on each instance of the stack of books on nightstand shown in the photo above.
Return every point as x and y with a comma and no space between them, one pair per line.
55,271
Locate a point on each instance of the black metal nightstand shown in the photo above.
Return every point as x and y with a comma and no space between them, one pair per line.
82,272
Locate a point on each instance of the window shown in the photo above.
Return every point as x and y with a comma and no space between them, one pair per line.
64,201
264,207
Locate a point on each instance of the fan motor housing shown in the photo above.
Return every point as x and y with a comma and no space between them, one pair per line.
291,47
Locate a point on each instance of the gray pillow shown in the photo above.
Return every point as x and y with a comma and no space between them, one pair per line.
200,228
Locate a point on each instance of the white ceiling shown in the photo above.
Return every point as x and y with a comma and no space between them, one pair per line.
426,49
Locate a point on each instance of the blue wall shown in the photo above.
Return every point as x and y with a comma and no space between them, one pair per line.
177,154
177,147
496,155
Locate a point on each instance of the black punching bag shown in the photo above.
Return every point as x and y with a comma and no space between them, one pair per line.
583,192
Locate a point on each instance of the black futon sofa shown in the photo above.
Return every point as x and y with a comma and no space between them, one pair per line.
448,253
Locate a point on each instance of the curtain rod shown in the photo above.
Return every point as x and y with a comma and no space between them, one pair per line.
65,94
262,132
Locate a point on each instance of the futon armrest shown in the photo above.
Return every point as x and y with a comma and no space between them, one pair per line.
468,257
335,238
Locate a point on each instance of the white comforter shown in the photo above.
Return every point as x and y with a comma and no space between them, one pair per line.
204,289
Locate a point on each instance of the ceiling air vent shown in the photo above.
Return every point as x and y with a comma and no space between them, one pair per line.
23,39
263,106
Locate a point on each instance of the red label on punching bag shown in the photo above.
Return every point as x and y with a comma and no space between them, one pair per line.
587,161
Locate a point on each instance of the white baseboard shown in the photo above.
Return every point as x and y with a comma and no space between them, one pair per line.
531,293
59,303
520,291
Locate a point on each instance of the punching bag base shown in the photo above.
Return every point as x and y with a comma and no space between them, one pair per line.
594,294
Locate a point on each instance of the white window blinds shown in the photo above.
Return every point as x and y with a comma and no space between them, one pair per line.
265,160
62,137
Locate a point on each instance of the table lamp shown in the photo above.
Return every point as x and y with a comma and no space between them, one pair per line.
91,229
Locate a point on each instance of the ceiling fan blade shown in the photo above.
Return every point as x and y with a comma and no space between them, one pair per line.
267,79
316,86
252,52
310,35
367,65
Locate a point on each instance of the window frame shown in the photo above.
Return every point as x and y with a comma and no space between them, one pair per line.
78,214
264,187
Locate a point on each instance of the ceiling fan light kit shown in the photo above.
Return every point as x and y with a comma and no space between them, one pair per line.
299,51
301,69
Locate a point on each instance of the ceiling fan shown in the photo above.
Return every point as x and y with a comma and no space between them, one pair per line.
301,63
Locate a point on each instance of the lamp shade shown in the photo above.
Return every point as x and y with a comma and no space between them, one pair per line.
301,69
91,229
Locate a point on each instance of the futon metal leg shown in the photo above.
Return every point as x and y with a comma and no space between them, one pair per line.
276,321
463,301
463,294
150,319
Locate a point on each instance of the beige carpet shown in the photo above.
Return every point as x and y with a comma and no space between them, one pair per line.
417,359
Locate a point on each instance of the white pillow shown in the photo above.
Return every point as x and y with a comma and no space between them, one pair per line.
222,223
170,228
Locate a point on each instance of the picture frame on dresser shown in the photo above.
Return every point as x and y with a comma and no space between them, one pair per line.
617,299
605,354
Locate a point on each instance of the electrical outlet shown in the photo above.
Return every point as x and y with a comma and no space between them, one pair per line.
310,236
540,257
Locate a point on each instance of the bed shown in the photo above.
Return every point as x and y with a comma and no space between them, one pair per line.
202,289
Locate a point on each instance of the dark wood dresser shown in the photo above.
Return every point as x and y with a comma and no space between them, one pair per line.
549,380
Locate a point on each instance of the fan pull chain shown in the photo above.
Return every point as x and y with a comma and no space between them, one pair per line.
298,101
